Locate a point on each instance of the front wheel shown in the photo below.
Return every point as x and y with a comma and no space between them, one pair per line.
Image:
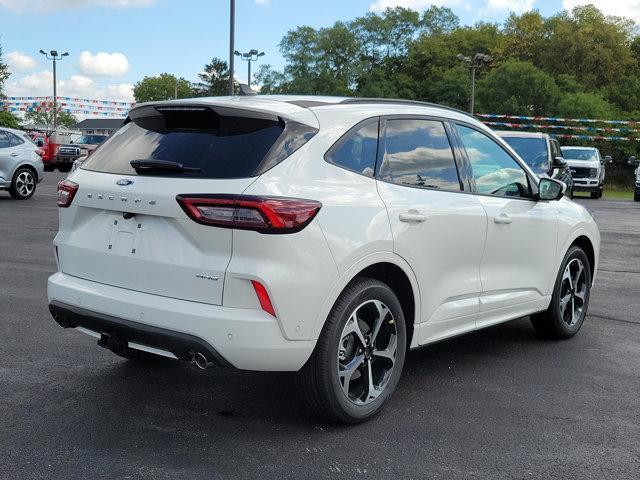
570,299
358,359
636,197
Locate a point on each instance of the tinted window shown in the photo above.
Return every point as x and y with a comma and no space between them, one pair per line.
357,150
495,172
14,140
531,150
219,146
91,139
418,154
586,154
4,140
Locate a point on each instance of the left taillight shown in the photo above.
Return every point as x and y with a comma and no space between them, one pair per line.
66,191
247,212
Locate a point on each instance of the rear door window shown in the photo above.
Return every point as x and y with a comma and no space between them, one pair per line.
14,140
210,144
417,153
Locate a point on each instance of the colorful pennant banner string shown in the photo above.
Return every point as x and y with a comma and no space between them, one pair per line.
556,119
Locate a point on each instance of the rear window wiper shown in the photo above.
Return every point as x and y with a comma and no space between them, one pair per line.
152,165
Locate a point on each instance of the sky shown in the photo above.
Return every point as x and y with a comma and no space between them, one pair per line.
112,44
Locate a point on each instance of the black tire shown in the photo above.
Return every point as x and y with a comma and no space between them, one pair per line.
23,184
595,194
553,322
636,197
49,168
319,379
65,168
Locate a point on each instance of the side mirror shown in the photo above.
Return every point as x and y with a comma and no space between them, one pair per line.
633,161
558,162
550,189
608,159
40,143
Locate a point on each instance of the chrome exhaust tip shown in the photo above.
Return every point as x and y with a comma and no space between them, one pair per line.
200,360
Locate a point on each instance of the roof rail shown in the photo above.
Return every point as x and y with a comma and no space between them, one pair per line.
401,102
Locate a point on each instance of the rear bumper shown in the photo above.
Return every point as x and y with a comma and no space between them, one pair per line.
247,339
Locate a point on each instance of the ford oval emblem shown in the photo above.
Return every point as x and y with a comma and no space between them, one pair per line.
125,182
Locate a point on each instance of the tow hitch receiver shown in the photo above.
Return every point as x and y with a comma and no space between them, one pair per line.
113,343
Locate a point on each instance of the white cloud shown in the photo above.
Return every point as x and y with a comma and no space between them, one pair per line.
621,8
48,6
263,2
517,6
41,84
381,5
19,62
103,63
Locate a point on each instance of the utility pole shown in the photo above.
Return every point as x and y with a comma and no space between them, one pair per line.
232,34
249,57
479,60
53,55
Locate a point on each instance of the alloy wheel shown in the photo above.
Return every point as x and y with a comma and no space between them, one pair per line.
367,352
25,183
573,292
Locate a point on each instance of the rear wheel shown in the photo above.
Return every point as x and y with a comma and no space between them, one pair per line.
570,299
49,168
359,356
23,185
636,197
64,168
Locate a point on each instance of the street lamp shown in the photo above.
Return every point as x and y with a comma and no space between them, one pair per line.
54,56
479,60
232,36
250,56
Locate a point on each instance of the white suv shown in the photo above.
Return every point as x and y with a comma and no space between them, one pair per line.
587,169
326,235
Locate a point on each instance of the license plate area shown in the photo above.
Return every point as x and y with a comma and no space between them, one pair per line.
125,235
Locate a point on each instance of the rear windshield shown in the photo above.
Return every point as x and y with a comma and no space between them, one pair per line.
532,150
216,145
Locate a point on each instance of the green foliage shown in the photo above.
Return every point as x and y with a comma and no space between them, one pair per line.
7,119
4,73
214,80
46,118
162,87
518,88
585,105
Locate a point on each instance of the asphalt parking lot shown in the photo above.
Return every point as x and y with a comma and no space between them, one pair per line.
500,403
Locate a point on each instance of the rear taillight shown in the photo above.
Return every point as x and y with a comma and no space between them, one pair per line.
66,191
245,212
40,152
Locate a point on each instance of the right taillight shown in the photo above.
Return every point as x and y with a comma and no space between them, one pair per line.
248,212
66,191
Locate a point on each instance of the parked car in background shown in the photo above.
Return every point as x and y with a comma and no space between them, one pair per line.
321,235
21,166
81,148
542,153
51,142
587,169
636,191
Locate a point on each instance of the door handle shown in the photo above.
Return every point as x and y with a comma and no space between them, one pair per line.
14,154
412,216
502,219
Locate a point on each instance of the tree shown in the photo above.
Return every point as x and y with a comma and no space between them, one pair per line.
4,73
517,88
585,105
162,87
9,120
46,118
214,80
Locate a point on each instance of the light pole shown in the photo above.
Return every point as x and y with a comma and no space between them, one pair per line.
55,57
479,60
232,47
250,56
